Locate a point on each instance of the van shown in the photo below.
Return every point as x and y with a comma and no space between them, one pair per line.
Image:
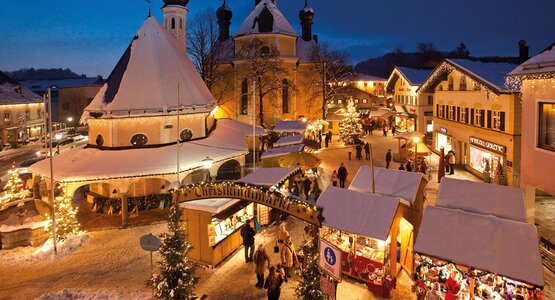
57,147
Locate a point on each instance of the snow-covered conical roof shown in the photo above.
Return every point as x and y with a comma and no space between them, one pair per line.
281,25
146,78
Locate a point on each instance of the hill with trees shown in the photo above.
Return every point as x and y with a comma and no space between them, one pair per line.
50,74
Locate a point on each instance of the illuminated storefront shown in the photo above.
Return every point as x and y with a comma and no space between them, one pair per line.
443,140
487,158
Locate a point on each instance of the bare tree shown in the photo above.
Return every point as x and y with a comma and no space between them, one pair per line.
328,69
263,66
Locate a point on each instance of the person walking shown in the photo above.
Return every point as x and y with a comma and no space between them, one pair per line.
282,236
248,233
359,151
327,139
453,287
408,167
260,258
273,284
393,130
287,256
342,175
446,162
334,178
388,157
367,150
452,162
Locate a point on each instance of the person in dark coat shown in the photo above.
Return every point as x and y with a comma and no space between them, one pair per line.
402,167
327,139
393,130
367,150
306,186
408,167
359,151
388,157
273,284
342,175
248,233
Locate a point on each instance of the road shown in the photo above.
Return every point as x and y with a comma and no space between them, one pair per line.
15,159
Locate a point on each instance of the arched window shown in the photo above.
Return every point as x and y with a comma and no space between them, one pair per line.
180,23
185,135
99,140
450,84
139,139
462,84
285,96
173,23
244,97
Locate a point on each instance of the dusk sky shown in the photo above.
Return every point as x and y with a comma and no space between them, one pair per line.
90,36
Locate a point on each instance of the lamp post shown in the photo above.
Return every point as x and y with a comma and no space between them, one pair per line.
207,164
416,140
52,208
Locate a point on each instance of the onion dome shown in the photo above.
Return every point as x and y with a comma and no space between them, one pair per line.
176,2
306,14
224,13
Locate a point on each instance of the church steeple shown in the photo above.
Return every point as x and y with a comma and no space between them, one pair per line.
175,20
306,15
224,15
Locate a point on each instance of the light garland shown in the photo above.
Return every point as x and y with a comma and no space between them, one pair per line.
66,216
14,188
350,127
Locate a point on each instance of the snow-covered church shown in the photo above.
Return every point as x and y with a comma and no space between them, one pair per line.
151,123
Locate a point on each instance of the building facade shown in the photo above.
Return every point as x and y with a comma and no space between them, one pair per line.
21,113
414,109
73,100
477,118
290,98
536,78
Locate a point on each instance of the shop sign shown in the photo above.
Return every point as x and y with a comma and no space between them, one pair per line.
488,145
442,129
298,208
330,259
150,242
412,110
327,287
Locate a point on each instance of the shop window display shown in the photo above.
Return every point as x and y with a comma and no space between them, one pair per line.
546,130
219,229
484,161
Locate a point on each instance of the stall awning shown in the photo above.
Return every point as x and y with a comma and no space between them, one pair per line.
409,135
487,199
335,117
391,183
505,247
380,113
289,140
364,214
213,206
291,126
278,151
400,110
269,176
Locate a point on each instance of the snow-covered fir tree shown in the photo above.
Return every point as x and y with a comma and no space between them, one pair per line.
177,274
309,286
66,219
14,188
350,127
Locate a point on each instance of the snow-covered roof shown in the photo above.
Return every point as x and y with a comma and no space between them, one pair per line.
364,214
335,117
391,183
240,126
289,140
147,77
291,126
281,25
11,92
544,62
364,77
41,85
305,49
409,135
278,151
505,247
91,164
414,76
268,176
478,197
382,113
491,73
213,206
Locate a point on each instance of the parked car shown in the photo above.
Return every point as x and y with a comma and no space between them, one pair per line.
57,147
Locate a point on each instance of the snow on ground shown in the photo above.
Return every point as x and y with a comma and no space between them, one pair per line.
71,294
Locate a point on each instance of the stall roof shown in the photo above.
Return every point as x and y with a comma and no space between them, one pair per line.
245,128
282,150
289,140
381,113
268,176
392,183
409,135
364,214
213,206
488,243
291,126
487,199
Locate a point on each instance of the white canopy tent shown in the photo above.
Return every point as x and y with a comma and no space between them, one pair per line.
391,183
505,247
269,176
278,151
289,140
364,214
297,126
487,199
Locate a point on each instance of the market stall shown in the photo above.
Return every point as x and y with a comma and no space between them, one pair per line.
290,127
406,145
289,140
213,227
363,226
271,156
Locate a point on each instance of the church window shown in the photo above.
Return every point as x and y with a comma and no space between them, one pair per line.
244,97
173,23
139,140
185,135
180,23
99,140
285,96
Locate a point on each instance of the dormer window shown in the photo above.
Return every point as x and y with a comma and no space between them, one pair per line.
139,140
450,84
462,84
185,135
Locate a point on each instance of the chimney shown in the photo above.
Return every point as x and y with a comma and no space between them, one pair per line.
522,51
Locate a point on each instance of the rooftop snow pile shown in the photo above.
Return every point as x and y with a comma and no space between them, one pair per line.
11,92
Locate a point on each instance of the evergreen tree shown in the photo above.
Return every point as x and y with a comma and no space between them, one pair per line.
14,188
66,220
350,127
309,286
176,279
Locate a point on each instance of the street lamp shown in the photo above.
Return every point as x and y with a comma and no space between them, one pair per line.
207,162
69,120
416,140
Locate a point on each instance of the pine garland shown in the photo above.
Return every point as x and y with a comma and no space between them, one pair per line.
309,286
177,274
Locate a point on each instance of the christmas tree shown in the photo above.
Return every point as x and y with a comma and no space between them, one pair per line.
309,286
66,220
14,188
350,127
176,279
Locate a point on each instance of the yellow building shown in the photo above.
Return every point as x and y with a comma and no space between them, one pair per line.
72,100
21,113
292,98
477,117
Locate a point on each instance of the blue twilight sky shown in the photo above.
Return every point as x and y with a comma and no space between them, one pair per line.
90,36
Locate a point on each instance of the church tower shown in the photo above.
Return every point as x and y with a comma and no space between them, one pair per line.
175,20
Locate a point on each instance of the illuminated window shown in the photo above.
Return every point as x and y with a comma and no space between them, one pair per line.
478,117
364,101
139,140
496,116
7,117
463,115
462,84
185,135
356,101
451,113
339,101
546,130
